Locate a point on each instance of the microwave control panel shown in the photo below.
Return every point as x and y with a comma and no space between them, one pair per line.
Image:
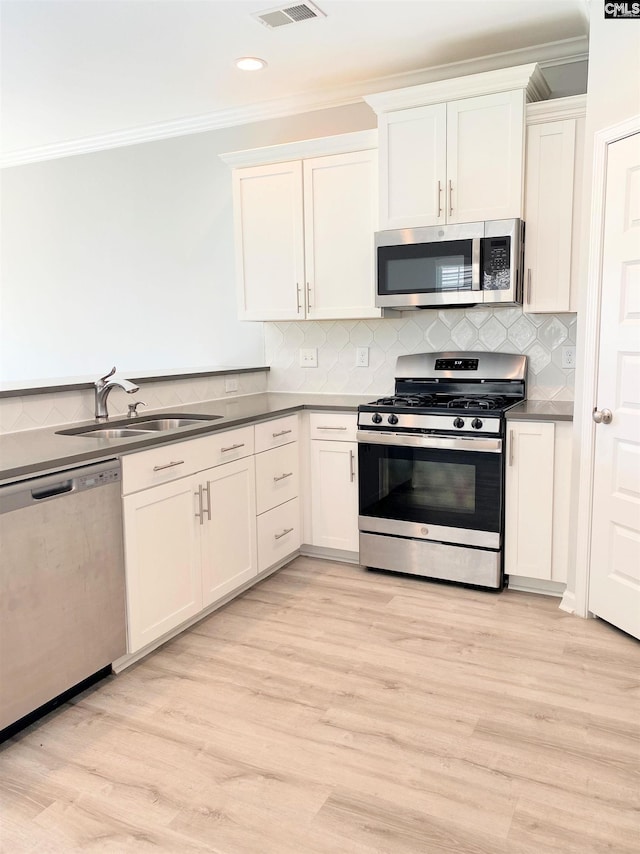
496,263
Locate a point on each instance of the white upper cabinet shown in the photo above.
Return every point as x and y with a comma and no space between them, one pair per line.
555,143
453,151
304,229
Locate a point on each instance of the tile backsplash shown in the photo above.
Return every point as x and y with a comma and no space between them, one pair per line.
28,412
541,337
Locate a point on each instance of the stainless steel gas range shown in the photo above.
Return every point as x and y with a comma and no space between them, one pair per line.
431,467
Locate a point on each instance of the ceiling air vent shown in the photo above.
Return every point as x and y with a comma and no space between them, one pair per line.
289,15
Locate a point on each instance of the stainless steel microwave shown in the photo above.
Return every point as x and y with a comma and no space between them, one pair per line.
451,265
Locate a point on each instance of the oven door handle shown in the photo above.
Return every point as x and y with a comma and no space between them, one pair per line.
411,440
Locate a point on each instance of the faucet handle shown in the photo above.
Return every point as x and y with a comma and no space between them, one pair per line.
133,407
110,374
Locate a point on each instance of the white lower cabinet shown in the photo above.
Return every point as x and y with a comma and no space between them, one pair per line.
228,529
162,550
334,494
279,534
537,500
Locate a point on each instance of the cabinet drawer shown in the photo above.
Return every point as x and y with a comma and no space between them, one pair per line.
271,434
333,425
221,448
159,465
276,477
279,534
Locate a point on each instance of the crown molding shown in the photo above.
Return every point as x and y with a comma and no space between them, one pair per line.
557,109
554,53
342,143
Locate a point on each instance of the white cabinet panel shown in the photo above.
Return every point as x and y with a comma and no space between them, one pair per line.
334,495
413,166
485,157
335,426
279,534
268,240
272,434
277,476
228,531
162,560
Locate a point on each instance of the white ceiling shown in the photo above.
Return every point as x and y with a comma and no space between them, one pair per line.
73,69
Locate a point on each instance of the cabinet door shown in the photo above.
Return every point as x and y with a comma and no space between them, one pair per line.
485,157
279,534
340,200
529,492
334,495
413,151
269,241
162,560
228,529
549,215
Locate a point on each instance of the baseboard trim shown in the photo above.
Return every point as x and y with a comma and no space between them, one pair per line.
329,554
536,585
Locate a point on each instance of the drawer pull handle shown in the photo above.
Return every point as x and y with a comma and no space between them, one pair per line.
331,428
200,514
169,465
281,433
282,476
283,534
231,448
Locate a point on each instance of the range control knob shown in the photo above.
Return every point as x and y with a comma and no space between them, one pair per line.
392,419
458,422
376,418
476,423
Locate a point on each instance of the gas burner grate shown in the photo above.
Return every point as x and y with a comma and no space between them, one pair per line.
407,400
477,403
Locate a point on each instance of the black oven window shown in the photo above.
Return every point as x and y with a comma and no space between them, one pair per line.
425,267
444,487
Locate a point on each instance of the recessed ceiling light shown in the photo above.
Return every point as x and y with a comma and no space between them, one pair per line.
250,63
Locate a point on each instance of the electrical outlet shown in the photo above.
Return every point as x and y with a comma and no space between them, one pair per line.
231,384
568,357
308,357
362,357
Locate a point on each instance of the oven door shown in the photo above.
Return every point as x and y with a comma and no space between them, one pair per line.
444,489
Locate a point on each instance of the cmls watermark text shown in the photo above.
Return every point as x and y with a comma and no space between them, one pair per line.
622,10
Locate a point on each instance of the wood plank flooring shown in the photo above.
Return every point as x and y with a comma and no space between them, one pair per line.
331,710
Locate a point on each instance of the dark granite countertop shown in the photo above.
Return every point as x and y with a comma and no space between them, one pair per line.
542,410
32,452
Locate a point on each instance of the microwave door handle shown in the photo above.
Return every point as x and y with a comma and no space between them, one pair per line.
475,264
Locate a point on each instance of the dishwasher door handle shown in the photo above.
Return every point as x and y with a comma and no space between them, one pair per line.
54,489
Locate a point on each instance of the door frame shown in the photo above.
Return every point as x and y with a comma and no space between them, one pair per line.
577,601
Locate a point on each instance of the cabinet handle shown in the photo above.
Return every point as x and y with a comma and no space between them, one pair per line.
298,292
281,433
200,515
529,286
282,476
207,489
308,296
439,199
169,465
511,444
231,448
352,471
283,534
331,428
450,197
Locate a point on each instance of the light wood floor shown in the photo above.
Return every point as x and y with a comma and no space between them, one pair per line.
331,710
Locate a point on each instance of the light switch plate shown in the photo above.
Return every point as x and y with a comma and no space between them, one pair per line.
308,357
231,384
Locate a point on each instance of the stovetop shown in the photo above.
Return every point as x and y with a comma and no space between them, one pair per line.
440,402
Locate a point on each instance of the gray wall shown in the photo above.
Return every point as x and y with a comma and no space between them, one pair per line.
126,256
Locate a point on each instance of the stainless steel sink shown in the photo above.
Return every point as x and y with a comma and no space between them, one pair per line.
113,433
167,423
138,426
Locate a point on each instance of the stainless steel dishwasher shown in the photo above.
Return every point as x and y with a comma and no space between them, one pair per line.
62,586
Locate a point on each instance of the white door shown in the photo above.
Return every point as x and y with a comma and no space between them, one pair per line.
334,495
228,530
340,216
413,151
267,207
162,558
614,580
485,154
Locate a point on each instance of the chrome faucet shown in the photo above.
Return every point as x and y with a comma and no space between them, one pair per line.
102,388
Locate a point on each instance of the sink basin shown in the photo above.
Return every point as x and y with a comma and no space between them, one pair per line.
167,423
113,433
138,426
